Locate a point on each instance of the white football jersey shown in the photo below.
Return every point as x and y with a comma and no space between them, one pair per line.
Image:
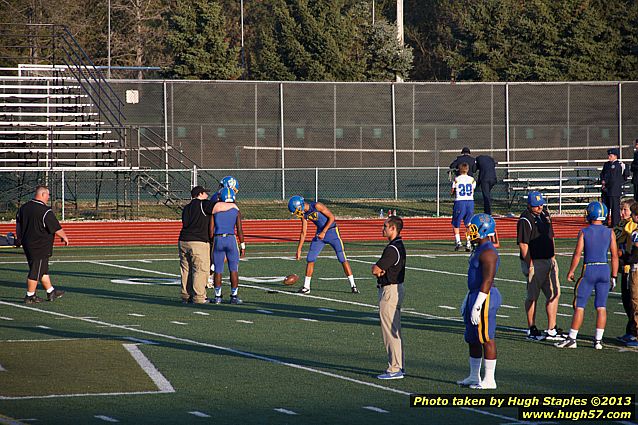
464,186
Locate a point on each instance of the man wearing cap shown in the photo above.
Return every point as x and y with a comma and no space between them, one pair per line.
535,238
194,248
465,157
634,170
486,167
612,178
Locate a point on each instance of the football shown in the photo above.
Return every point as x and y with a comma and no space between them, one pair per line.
291,279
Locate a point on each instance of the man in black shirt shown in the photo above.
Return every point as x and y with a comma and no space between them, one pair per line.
612,177
194,247
36,227
390,273
486,167
535,238
465,157
634,170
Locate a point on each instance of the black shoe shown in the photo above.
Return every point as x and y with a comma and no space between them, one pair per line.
458,247
55,294
234,299
534,334
354,290
33,299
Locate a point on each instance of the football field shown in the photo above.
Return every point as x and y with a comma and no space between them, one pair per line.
121,347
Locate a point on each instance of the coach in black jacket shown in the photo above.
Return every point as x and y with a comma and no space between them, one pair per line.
486,167
465,157
612,178
634,170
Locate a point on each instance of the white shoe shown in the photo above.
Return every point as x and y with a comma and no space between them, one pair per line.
598,345
484,385
304,290
567,343
468,382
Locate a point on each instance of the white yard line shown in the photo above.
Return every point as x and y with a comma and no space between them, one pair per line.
106,418
150,369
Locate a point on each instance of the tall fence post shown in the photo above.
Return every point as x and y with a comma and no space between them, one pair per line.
63,182
283,155
438,191
394,143
620,119
316,183
560,189
194,176
166,132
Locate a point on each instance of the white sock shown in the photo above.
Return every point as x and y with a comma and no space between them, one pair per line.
51,289
457,238
475,368
218,291
490,367
351,279
306,282
599,334
233,291
30,294
573,333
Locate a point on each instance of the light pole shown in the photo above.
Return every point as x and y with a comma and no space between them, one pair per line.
108,71
243,57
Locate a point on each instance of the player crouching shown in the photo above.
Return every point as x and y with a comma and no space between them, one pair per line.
481,303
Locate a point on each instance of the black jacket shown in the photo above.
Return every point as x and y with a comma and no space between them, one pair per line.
469,160
634,168
486,166
612,177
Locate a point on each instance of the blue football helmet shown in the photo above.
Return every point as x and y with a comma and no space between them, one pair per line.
481,226
596,211
296,206
227,195
230,182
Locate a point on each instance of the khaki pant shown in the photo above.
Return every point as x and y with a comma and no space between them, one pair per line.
542,277
633,289
390,300
194,261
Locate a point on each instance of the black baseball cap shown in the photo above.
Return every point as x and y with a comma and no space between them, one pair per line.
465,150
613,151
197,190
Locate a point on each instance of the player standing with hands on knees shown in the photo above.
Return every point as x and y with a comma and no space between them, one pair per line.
481,304
390,274
595,241
327,233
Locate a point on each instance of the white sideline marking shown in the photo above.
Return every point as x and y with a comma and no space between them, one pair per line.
148,367
264,311
145,261
563,314
244,321
345,278
620,312
141,341
502,315
199,414
508,306
285,411
306,319
201,313
566,305
234,351
375,409
5,318
178,323
373,319
106,418
136,315
43,327
447,307
327,310
40,340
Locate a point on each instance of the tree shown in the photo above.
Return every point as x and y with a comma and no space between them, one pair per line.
385,57
197,40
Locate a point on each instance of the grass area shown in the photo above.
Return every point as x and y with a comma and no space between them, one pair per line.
315,355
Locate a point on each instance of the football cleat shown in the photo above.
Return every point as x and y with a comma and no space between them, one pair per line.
234,299
217,300
567,343
484,385
534,334
468,381
304,290
458,246
598,344
555,334
55,294
32,299
633,343
625,338
354,290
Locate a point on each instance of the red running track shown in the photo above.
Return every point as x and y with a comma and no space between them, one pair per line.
107,233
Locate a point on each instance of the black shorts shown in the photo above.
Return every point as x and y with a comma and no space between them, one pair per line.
38,265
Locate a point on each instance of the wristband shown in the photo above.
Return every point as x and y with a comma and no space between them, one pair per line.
614,277
242,245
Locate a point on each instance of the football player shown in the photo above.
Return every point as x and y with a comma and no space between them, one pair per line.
595,240
327,233
226,182
481,304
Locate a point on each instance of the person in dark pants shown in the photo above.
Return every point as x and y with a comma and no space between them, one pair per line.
634,170
486,167
36,228
612,178
465,157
